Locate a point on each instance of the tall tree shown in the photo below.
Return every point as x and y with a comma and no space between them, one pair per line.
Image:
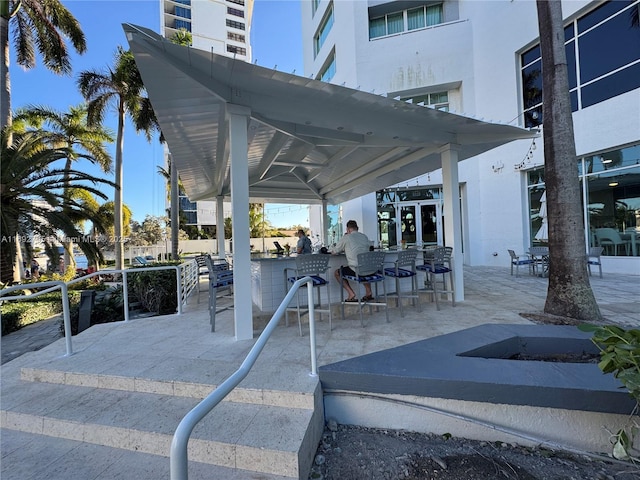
103,230
45,25
83,142
119,87
569,292
32,194
181,37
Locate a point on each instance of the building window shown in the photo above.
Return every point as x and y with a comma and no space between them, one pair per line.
314,6
406,20
237,2
603,60
323,30
236,50
178,24
233,24
329,69
182,12
185,204
183,2
611,180
235,12
236,37
438,100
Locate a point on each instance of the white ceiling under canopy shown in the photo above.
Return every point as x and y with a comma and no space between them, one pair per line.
309,140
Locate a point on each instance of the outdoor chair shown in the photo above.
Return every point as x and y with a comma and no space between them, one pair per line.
139,260
201,260
540,257
521,259
405,267
314,266
437,261
609,238
593,258
220,279
369,270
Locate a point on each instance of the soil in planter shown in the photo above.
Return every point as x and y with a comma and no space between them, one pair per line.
558,357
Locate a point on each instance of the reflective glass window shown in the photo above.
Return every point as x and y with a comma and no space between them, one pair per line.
610,46
612,85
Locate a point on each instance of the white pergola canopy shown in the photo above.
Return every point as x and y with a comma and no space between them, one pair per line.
309,140
248,132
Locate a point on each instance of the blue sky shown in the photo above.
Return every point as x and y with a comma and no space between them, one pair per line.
275,39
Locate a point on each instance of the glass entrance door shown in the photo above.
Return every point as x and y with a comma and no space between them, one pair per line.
419,223
429,221
408,224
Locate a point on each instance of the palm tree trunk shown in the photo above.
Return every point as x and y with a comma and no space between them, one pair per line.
175,222
69,258
117,200
5,94
569,292
9,267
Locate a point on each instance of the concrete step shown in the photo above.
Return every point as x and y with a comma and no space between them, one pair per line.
69,459
259,396
256,437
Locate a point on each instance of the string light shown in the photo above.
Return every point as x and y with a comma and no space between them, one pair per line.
527,161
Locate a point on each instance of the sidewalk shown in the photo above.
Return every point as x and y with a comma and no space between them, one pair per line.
30,338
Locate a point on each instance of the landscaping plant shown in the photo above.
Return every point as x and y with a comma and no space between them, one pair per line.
156,289
620,355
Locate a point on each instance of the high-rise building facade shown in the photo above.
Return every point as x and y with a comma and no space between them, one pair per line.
482,59
219,26
222,27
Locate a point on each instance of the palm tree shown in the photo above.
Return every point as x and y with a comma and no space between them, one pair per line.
104,229
70,130
45,25
120,87
569,293
182,37
32,195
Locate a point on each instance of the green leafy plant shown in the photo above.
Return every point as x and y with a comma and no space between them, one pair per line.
18,314
620,355
156,289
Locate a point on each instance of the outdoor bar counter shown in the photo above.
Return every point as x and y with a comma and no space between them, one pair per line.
268,285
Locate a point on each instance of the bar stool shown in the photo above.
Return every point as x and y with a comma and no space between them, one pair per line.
369,270
220,278
314,266
437,261
405,267
201,260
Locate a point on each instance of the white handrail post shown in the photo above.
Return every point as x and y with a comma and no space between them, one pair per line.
312,328
125,294
179,289
66,316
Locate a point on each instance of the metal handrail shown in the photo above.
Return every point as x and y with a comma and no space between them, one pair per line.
55,284
63,286
178,455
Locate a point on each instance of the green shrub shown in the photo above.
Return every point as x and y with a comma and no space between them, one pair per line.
155,290
620,355
18,314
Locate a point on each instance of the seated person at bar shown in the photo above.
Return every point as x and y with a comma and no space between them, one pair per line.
304,243
352,244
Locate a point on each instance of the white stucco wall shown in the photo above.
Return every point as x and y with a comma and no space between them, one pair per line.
475,56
